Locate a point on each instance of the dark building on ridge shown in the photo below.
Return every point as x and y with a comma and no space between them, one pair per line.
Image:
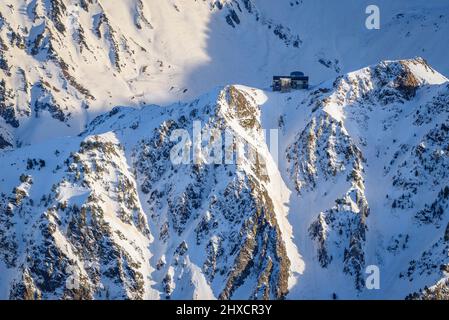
296,80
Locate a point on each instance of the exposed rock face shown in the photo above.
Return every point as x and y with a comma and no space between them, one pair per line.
88,245
437,292
226,209
324,153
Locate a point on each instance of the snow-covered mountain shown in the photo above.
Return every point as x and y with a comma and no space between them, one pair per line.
195,188
63,62
109,214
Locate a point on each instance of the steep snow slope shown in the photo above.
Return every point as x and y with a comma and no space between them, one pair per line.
367,156
134,224
361,180
64,62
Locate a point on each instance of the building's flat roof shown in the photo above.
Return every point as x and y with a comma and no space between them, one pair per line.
291,77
